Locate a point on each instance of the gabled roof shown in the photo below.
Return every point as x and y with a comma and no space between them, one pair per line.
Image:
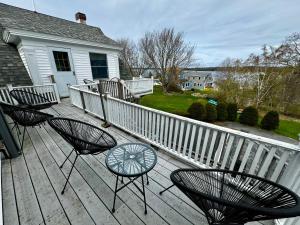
26,20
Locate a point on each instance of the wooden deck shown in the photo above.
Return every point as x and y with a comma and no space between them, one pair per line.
31,185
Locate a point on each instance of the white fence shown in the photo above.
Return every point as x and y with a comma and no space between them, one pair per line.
49,91
201,144
140,86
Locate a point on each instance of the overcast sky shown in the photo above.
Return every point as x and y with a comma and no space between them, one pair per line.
218,28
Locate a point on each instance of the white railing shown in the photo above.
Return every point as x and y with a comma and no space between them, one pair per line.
5,96
201,144
140,86
49,91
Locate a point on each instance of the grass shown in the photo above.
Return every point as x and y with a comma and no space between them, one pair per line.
289,128
178,103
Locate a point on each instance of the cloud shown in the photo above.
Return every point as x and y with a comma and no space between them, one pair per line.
219,29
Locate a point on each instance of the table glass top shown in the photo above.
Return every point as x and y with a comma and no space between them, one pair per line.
131,159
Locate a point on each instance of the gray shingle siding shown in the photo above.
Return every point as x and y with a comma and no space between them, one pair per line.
17,18
12,69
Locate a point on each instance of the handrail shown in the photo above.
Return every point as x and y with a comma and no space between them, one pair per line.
216,127
196,142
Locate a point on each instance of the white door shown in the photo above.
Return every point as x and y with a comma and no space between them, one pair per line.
63,68
33,67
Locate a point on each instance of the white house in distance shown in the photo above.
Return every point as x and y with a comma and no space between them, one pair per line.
55,49
197,79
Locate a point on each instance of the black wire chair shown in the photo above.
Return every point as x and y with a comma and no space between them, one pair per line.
228,197
85,138
32,100
24,117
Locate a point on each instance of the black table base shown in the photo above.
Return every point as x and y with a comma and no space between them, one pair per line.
131,181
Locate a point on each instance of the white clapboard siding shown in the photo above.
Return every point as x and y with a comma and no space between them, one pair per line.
201,144
82,65
44,64
113,65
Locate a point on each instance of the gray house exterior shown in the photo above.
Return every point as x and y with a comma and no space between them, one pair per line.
197,79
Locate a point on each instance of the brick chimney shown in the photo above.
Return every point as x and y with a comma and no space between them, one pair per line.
80,18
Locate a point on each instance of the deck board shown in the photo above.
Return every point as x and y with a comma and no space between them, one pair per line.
32,184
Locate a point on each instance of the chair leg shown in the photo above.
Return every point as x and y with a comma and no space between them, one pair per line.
63,191
166,189
61,166
147,178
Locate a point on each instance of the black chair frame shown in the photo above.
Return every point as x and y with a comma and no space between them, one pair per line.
66,128
33,100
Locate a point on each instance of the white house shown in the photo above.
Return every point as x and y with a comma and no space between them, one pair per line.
197,79
57,50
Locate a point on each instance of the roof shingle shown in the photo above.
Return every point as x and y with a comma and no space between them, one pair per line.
23,19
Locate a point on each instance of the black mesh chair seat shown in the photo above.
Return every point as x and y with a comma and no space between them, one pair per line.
85,138
32,100
228,197
24,116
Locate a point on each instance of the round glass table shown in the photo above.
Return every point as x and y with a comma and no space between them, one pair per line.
131,160
233,198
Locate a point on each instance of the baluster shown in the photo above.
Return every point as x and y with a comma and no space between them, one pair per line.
186,139
161,130
227,151
198,143
170,133
191,147
166,131
180,137
175,138
212,145
204,146
219,149
267,162
283,159
256,158
246,156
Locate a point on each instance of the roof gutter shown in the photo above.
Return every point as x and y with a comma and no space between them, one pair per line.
42,36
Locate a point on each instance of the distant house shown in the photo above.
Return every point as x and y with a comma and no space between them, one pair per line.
197,79
53,49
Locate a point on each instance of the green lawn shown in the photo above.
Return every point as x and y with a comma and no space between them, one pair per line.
289,128
179,103
176,103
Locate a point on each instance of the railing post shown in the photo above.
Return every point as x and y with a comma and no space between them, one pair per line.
120,90
104,105
82,100
10,88
56,92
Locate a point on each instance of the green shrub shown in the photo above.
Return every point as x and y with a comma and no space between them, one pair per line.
211,113
196,111
172,87
232,111
222,111
249,116
270,121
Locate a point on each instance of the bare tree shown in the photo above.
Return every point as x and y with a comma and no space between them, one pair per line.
131,58
166,52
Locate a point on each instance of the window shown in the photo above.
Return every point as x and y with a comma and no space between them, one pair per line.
195,84
61,61
99,65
